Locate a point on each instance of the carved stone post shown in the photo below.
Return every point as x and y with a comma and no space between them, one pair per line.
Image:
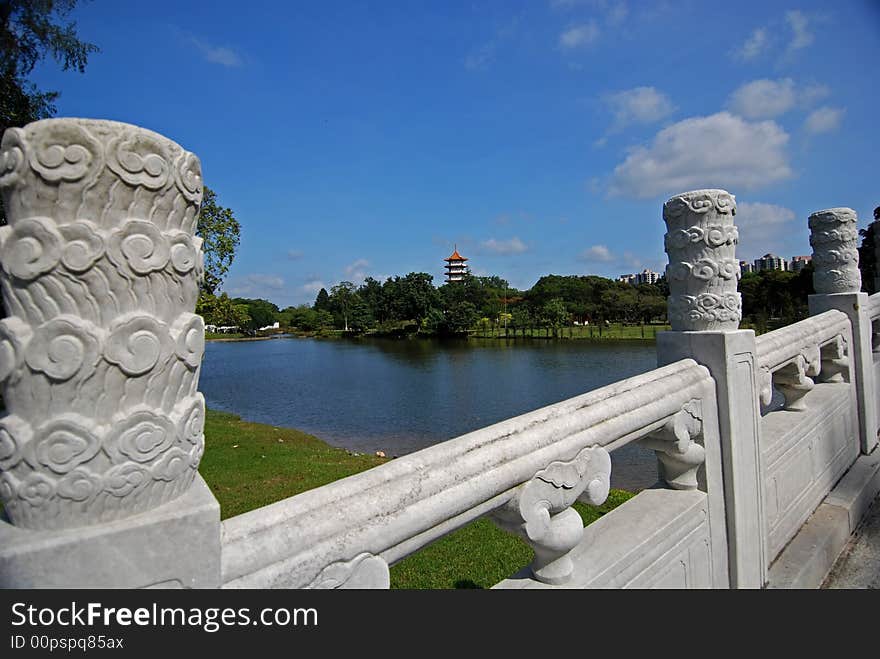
837,280
704,311
99,360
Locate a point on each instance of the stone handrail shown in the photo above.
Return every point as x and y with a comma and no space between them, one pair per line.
524,469
790,356
874,306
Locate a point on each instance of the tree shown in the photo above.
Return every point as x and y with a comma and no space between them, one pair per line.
222,311
411,297
520,319
373,296
261,312
322,301
868,253
29,30
220,232
555,315
342,298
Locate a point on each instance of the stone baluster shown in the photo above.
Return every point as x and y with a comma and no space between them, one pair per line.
99,360
837,281
704,311
541,513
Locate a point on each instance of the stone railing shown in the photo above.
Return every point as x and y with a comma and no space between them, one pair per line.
789,357
809,441
101,442
524,473
874,306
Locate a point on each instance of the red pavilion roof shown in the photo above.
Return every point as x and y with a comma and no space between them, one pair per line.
455,256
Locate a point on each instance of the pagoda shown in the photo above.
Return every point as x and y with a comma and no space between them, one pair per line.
455,266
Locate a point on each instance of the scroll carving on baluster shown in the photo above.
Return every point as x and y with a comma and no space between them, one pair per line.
797,374
542,515
834,238
100,356
835,363
793,382
678,454
363,571
702,271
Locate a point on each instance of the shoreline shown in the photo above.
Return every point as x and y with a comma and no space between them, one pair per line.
338,334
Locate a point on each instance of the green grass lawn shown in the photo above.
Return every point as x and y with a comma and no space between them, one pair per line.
248,465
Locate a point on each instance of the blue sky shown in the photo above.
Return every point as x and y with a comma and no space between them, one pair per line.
361,139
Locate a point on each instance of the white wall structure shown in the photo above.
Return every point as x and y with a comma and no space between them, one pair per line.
760,441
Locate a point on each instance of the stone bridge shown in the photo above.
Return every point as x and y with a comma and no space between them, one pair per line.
766,446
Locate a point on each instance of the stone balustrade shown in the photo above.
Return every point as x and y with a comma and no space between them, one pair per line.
789,357
524,473
101,442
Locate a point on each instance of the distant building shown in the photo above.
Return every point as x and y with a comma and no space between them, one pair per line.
644,277
797,263
770,262
456,269
746,267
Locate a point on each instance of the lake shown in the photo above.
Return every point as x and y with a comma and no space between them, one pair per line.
401,395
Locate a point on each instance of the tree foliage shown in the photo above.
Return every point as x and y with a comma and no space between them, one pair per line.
261,313
221,233
29,31
773,298
868,253
222,311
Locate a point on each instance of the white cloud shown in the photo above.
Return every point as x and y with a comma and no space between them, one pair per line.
295,254
824,120
579,35
312,286
721,150
356,272
801,36
765,228
597,254
640,105
754,45
222,55
256,285
765,99
512,246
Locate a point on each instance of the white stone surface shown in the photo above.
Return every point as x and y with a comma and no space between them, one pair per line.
658,539
857,308
808,561
100,355
804,453
834,236
731,359
703,270
176,545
